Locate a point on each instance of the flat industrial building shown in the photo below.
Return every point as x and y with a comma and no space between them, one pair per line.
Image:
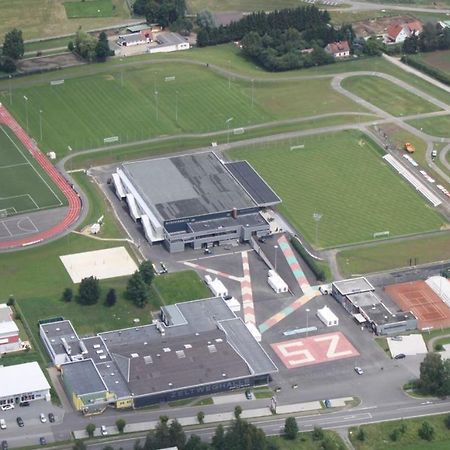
197,348
195,200
23,383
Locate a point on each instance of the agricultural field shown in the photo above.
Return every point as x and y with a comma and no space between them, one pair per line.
386,256
24,186
91,8
387,96
435,126
46,18
439,60
342,177
162,99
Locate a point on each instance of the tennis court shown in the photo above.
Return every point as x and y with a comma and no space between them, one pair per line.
426,305
23,186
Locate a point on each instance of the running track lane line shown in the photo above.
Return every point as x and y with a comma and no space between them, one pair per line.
74,201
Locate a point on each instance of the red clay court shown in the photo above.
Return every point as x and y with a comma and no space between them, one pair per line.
418,297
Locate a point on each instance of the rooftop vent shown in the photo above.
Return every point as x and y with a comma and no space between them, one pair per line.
58,329
102,357
212,348
187,346
134,355
180,354
148,359
166,349
219,340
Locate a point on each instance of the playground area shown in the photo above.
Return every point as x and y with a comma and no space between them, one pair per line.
422,301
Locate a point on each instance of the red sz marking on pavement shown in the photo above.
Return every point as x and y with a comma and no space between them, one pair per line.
314,350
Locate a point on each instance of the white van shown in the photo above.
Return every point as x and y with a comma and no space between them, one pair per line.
2,424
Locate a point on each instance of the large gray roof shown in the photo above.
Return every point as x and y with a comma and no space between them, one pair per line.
82,377
187,186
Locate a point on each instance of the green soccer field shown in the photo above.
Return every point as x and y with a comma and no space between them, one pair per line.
161,99
388,96
24,187
89,8
342,177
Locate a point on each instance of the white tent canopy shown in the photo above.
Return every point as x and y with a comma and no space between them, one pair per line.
441,286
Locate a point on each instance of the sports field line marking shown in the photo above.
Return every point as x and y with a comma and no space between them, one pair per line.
20,227
7,229
14,165
32,199
32,166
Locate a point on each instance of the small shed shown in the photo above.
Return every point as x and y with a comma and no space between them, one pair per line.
276,282
327,317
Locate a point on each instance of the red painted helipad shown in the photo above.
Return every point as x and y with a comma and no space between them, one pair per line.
314,350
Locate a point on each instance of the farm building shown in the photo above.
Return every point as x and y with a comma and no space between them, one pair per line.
197,348
128,40
9,332
398,32
327,317
339,49
358,298
195,201
23,383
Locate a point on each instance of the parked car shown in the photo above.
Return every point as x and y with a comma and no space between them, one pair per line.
7,407
51,417
327,403
24,404
358,370
4,445
400,356
42,418
2,424
42,441
103,430
20,422
248,394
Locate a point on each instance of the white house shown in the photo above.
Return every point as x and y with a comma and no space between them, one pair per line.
9,332
339,49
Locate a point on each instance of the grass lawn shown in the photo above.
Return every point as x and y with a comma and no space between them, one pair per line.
305,441
95,107
378,435
46,18
435,126
343,177
24,186
394,254
89,8
48,44
180,287
387,96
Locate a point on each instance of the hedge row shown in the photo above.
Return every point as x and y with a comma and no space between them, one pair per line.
310,261
423,67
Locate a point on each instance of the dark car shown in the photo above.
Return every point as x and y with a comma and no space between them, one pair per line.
51,417
400,356
24,404
42,441
20,422
4,445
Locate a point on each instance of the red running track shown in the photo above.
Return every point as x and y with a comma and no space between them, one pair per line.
72,197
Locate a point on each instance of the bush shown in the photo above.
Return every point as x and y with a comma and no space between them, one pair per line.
67,295
426,432
361,434
10,301
447,422
290,428
318,434
200,417
395,435
438,348
311,263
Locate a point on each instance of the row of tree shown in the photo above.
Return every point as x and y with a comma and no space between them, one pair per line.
137,290
432,38
90,48
13,49
167,13
434,376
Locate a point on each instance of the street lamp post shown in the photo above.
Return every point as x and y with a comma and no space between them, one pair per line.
26,110
317,216
40,123
10,90
253,91
307,321
276,254
176,106
228,128
156,101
